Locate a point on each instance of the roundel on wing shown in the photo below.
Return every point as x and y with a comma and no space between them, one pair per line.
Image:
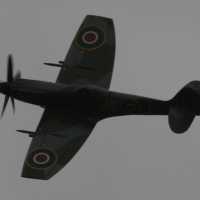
130,106
90,37
41,158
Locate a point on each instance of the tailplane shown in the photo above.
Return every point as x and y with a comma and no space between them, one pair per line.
180,118
184,107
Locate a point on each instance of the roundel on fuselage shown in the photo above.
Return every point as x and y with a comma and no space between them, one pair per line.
130,106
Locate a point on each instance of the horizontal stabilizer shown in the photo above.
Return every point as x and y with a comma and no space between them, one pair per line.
180,118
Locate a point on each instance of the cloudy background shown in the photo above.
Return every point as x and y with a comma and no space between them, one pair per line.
132,157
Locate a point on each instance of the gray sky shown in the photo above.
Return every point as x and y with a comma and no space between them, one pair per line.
132,157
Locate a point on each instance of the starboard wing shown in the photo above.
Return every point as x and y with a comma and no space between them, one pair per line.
90,58
57,139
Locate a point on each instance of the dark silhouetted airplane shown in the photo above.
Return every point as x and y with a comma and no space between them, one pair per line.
80,98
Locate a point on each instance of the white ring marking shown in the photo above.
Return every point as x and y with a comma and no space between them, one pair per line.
48,158
83,37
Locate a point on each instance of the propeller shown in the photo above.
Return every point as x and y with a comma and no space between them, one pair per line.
6,85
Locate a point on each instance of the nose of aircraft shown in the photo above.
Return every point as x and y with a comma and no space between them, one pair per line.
5,88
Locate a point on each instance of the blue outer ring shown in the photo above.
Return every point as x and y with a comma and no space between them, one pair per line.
52,158
100,41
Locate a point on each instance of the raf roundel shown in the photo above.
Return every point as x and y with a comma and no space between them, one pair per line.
90,37
41,158
130,106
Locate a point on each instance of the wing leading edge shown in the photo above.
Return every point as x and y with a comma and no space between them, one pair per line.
58,138
90,58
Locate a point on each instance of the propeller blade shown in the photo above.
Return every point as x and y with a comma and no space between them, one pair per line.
10,69
17,75
13,104
4,105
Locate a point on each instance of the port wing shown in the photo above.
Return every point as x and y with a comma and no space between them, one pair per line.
58,138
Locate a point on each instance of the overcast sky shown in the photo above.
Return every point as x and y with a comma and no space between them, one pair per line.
132,157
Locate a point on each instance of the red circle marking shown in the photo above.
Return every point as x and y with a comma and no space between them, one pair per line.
41,158
90,37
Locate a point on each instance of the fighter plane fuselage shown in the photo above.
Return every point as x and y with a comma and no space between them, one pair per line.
94,101
83,100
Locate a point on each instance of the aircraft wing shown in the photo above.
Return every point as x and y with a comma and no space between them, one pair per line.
58,137
90,58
